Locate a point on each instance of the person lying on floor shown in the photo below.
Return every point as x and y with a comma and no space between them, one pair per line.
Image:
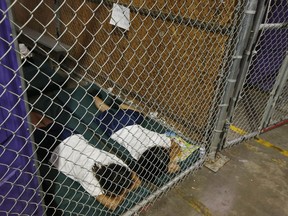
156,153
100,173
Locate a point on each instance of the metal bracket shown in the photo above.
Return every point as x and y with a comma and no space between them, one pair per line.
250,12
219,161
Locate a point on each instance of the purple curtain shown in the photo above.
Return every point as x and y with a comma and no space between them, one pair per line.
271,50
19,187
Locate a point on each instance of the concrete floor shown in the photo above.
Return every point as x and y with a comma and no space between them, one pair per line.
253,183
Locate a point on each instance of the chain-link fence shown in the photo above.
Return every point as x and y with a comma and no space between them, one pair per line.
122,99
265,79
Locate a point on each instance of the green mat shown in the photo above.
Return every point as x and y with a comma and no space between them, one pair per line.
75,109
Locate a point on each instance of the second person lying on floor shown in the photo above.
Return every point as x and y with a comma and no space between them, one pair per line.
100,173
156,153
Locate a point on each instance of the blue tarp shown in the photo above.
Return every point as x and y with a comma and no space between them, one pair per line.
19,188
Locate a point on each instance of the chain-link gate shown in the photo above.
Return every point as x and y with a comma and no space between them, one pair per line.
280,112
122,97
266,73
276,110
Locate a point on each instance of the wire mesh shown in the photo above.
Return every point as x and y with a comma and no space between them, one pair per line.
268,55
280,112
119,113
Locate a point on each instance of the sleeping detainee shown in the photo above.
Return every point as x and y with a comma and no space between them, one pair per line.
100,173
156,153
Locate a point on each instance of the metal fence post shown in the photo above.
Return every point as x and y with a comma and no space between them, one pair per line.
247,56
221,125
245,62
255,94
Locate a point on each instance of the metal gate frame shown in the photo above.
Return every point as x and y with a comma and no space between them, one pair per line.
262,14
253,15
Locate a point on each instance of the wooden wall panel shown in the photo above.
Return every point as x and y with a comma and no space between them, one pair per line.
172,68
37,15
213,11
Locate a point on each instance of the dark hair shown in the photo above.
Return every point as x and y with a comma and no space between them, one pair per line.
113,178
153,163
